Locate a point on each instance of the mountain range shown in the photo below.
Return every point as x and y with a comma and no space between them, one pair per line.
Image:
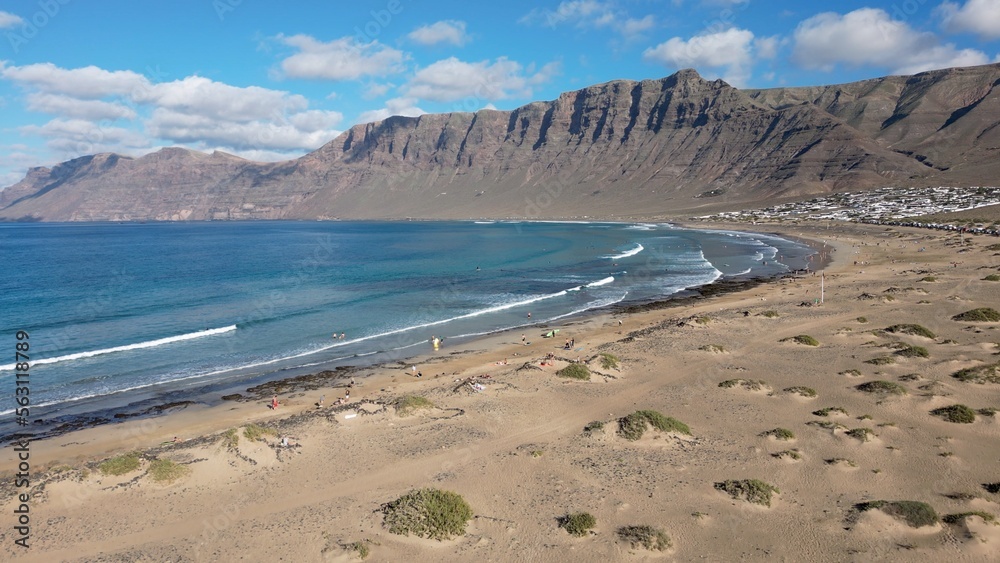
670,147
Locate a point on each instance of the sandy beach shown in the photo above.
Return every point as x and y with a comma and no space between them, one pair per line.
508,434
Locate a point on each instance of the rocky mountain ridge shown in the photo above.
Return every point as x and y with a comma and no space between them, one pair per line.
669,147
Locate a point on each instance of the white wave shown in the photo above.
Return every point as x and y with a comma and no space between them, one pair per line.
638,248
128,347
747,271
484,222
577,288
592,305
599,283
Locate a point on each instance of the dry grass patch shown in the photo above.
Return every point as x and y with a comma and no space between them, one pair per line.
881,386
863,434
121,465
646,537
166,471
751,490
715,348
828,410
575,371
748,384
790,454
633,426
409,404
980,315
255,432
802,391
779,434
989,373
804,339
913,513
913,329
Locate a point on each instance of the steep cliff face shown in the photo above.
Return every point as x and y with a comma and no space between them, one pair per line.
665,146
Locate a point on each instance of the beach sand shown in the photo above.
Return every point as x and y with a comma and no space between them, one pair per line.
515,448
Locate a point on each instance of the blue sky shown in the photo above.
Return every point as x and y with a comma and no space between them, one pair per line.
274,80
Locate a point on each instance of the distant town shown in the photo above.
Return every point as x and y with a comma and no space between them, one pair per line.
891,206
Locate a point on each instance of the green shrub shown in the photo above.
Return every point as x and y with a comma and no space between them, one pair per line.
910,377
881,386
648,537
779,434
165,471
980,374
956,518
915,514
609,361
881,361
748,384
633,426
916,330
803,391
231,438
750,490
410,404
913,352
427,513
801,339
703,320
770,314
828,410
862,320
959,414
988,411
863,434
980,315
121,465
359,547
594,426
578,523
255,432
992,277
575,371
928,279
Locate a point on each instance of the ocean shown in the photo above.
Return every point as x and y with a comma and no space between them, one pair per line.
122,316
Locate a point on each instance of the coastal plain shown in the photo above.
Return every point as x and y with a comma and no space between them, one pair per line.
834,427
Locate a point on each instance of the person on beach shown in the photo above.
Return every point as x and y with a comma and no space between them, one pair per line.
274,402
320,403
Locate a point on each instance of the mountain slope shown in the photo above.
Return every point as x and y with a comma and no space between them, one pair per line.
623,148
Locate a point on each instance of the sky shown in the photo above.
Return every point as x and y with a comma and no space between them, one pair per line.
269,80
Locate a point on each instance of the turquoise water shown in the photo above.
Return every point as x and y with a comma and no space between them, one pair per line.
119,313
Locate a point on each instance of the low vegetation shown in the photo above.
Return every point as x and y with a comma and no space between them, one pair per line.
992,277
359,547
851,373
828,410
647,537
609,361
987,412
992,487
594,426
957,518
748,384
928,279
959,414
255,432
751,490
980,315
839,460
578,523
121,465
779,434
791,454
980,374
881,386
908,351
703,320
803,391
717,348
801,339
914,513
881,361
231,438
166,471
575,371
862,320
827,424
428,513
633,426
770,314
408,405
914,329
863,434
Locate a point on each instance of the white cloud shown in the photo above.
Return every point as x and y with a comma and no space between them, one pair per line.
91,110
89,82
395,106
377,90
448,31
981,17
728,50
592,14
340,59
194,111
869,36
8,20
767,47
451,79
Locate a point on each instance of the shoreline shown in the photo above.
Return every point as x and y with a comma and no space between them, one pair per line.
260,387
505,433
